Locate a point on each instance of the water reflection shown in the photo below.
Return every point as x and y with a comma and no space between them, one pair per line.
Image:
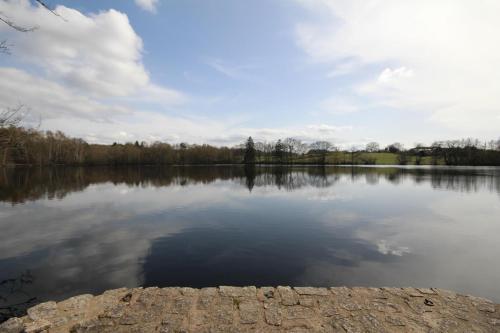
79,230
18,185
13,296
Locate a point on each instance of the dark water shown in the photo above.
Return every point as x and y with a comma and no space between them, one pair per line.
83,230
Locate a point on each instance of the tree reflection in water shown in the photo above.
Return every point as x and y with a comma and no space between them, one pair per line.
18,185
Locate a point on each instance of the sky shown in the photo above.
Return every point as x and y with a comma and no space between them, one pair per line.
214,71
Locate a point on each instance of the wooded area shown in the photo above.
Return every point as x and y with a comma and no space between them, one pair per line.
22,146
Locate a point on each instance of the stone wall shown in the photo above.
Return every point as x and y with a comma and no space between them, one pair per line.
250,309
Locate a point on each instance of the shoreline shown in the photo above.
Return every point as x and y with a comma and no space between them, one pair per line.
265,309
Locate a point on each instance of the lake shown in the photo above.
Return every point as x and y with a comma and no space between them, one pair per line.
68,231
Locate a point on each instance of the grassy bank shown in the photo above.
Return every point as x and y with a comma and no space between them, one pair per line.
357,158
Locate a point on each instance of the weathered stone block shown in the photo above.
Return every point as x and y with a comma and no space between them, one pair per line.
37,326
266,293
13,325
181,305
281,309
307,301
273,314
249,311
311,291
238,291
288,296
76,303
45,310
298,312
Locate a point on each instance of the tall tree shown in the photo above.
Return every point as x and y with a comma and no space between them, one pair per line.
249,157
279,151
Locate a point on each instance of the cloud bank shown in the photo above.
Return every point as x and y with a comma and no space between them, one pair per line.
437,57
77,66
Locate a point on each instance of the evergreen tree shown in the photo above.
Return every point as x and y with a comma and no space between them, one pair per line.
249,157
278,151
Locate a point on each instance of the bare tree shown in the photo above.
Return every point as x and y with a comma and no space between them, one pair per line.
372,147
322,148
492,144
10,139
301,147
5,19
294,147
44,5
12,116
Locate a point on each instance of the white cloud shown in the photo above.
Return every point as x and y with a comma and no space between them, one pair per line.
84,71
385,248
153,93
97,54
49,99
61,108
434,56
389,75
147,5
306,133
140,125
328,129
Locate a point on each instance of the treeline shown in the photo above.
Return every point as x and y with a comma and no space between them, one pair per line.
451,152
27,146
22,146
469,151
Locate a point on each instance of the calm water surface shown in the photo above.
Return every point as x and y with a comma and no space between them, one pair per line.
84,230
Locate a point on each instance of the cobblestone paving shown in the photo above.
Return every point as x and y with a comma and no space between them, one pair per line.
250,309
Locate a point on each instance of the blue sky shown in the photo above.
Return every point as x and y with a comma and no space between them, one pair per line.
217,71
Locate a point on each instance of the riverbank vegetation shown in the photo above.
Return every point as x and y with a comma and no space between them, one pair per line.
22,146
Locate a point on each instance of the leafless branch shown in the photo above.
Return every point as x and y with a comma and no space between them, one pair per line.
44,5
14,26
12,116
4,48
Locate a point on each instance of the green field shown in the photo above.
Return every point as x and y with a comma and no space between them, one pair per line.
357,158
